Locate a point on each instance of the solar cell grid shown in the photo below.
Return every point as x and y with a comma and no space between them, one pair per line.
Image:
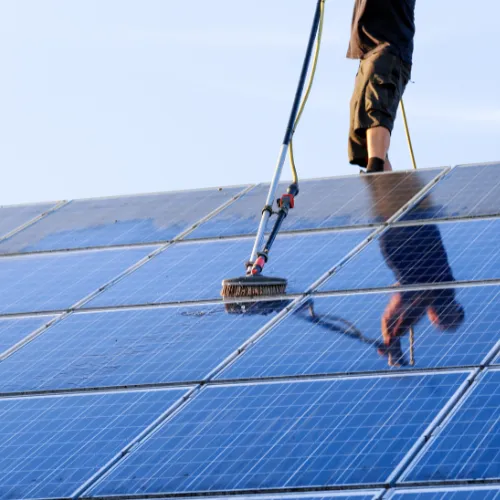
467,447
343,334
467,493
120,220
49,446
324,203
428,253
195,270
130,347
50,282
281,435
467,191
13,330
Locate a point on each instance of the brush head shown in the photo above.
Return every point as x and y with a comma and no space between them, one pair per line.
260,308
253,286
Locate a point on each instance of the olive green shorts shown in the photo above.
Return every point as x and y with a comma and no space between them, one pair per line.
380,83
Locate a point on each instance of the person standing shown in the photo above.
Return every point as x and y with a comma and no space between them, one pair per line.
382,36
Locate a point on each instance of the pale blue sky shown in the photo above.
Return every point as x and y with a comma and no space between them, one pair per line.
107,97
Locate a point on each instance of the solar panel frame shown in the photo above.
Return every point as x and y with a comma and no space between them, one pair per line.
28,325
194,270
141,461
54,431
477,260
70,276
344,337
15,217
318,205
445,493
132,347
452,194
121,220
454,419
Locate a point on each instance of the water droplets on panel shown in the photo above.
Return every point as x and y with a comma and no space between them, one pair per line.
131,347
195,270
371,332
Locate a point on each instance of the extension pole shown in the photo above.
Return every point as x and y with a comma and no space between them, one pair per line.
268,209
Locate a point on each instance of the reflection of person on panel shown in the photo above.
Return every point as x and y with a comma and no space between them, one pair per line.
416,255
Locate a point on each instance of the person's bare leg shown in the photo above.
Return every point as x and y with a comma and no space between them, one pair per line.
378,140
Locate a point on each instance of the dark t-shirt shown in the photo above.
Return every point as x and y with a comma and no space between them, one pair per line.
383,24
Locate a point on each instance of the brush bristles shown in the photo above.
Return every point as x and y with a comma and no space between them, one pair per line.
237,290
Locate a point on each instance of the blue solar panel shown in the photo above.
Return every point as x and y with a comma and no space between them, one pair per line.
468,446
130,347
194,271
118,221
281,435
15,216
464,493
49,446
52,282
429,253
468,191
13,330
324,203
343,334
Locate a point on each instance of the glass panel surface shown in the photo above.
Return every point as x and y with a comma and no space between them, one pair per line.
467,191
131,347
458,493
118,221
50,282
371,332
49,446
324,203
13,330
467,446
194,271
428,253
280,435
14,216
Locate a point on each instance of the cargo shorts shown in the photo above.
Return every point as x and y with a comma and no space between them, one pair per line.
380,83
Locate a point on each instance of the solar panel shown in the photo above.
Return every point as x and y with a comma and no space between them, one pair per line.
130,347
468,191
195,270
13,217
50,445
284,435
118,221
49,282
428,253
458,493
343,334
324,203
467,447
13,330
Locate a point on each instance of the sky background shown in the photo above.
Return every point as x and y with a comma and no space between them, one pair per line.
109,97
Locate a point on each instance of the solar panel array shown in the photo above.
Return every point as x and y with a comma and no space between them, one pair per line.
123,374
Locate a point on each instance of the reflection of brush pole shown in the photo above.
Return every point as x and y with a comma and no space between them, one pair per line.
414,162
412,347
